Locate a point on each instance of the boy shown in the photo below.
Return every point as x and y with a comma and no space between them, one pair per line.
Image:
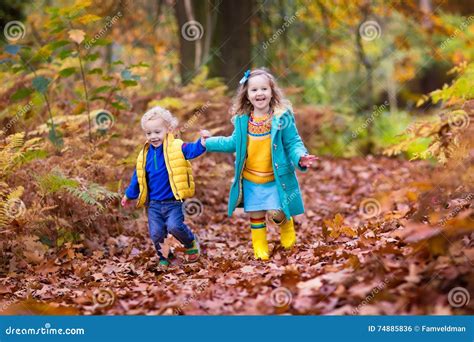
163,179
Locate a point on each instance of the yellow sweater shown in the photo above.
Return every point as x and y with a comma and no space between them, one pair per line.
258,166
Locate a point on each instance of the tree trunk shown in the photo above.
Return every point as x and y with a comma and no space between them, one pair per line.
190,35
219,36
231,45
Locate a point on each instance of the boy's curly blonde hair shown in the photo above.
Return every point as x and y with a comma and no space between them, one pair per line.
161,113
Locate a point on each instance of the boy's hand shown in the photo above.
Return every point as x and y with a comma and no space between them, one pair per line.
125,201
307,160
204,135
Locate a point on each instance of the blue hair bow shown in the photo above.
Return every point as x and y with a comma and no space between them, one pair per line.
245,78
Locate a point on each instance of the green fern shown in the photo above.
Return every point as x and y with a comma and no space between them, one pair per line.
8,197
12,152
55,181
93,194
101,193
84,195
4,217
32,155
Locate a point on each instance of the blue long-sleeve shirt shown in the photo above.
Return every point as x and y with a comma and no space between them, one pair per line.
157,179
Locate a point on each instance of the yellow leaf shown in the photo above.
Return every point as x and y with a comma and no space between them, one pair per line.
412,196
76,36
353,261
325,229
16,193
43,52
348,231
337,227
421,100
338,220
75,9
88,18
437,245
79,108
83,3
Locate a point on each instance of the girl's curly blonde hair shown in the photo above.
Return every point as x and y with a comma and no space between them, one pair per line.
162,113
241,104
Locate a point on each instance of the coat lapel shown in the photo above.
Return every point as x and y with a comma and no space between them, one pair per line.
276,124
243,122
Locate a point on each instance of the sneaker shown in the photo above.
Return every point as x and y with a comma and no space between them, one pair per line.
193,253
163,264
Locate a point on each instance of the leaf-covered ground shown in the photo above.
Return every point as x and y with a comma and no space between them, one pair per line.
351,257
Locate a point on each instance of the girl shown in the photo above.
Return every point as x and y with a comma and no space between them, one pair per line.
268,149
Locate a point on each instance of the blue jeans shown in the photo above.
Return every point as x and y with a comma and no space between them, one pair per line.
167,217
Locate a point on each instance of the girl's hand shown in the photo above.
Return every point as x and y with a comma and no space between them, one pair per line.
307,160
125,201
204,135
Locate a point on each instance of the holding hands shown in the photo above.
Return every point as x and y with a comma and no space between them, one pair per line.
307,160
204,135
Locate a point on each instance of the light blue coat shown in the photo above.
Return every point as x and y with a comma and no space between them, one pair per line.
287,148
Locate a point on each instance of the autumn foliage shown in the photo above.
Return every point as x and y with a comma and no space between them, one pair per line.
389,222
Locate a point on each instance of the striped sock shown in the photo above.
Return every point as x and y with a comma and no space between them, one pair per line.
258,223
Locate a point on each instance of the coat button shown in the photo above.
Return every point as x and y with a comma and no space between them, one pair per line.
274,146
283,186
276,165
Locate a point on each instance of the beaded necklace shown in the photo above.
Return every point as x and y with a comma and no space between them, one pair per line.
260,127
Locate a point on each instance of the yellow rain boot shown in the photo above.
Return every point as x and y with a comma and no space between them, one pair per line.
260,244
287,233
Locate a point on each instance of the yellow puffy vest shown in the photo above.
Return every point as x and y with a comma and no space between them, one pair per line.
179,170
